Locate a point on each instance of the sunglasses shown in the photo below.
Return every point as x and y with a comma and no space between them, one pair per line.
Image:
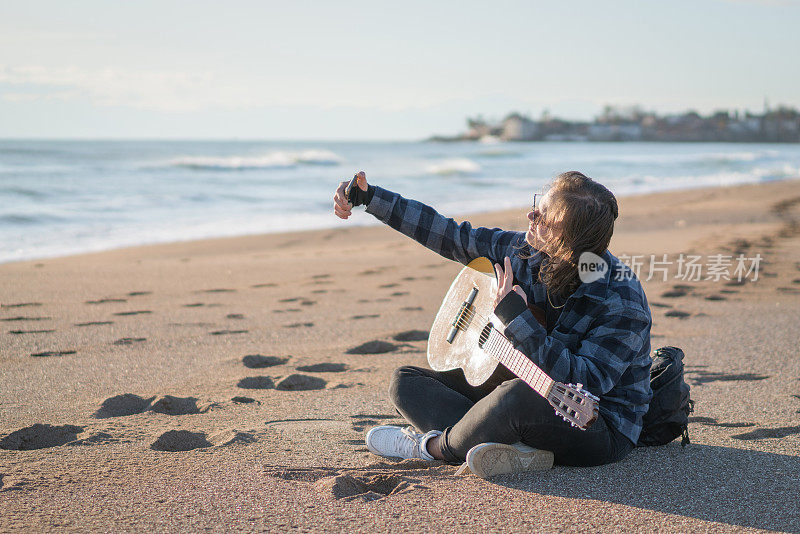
537,199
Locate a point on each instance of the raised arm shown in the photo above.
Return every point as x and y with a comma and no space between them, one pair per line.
455,241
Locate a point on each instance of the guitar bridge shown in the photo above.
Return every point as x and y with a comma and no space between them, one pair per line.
463,317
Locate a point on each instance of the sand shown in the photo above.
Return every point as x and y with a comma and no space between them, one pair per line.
227,385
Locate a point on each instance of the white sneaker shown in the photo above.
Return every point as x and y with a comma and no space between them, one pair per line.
490,459
395,442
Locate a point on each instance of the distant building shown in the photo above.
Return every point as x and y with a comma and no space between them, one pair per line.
516,127
632,123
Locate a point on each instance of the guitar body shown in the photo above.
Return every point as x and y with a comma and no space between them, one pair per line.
463,336
464,351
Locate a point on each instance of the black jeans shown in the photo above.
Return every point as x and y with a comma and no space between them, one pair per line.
503,410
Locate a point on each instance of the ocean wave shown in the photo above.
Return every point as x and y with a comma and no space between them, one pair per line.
454,166
720,178
23,192
19,219
702,158
279,159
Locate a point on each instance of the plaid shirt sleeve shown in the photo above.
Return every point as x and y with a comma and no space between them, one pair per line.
459,242
614,339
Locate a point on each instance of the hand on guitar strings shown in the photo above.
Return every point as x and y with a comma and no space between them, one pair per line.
505,282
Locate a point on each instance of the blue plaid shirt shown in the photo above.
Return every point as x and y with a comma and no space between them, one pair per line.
602,337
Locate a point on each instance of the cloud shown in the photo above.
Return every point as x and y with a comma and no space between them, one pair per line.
182,92
163,91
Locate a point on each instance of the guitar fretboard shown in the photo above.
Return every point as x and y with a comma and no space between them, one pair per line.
500,348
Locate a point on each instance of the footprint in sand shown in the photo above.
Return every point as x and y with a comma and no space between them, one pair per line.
122,405
45,354
677,313
660,305
234,316
359,485
367,316
365,488
139,293
244,400
374,347
94,323
674,293
258,361
736,282
412,308
297,382
320,276
104,301
227,332
320,291
25,318
21,305
412,335
194,305
269,284
40,436
700,376
324,368
715,297
130,404
167,404
760,433
180,440
137,312
298,325
256,382
710,421
129,340
287,310
20,332
217,290
399,293
385,286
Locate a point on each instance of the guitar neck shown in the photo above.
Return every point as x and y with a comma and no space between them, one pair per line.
500,348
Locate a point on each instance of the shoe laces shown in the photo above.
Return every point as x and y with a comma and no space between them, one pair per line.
408,437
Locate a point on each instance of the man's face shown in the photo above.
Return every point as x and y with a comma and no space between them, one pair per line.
537,231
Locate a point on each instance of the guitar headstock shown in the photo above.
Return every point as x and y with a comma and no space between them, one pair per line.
574,404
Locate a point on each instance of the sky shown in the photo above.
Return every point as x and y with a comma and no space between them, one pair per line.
375,70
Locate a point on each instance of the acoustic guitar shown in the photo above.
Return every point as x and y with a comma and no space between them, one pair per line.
465,335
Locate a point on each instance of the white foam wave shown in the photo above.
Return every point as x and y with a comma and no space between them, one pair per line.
454,166
273,160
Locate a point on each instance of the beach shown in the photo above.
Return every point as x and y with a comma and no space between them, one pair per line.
227,384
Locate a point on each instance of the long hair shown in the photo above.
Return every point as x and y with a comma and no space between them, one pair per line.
584,212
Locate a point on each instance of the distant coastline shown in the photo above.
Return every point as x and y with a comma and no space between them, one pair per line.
620,124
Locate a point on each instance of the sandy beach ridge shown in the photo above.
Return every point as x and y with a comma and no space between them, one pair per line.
227,384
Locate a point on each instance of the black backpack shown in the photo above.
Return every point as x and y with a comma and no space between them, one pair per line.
668,414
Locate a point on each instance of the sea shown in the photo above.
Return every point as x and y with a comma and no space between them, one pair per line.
67,197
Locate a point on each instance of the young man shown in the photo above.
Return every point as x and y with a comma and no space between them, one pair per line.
595,333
